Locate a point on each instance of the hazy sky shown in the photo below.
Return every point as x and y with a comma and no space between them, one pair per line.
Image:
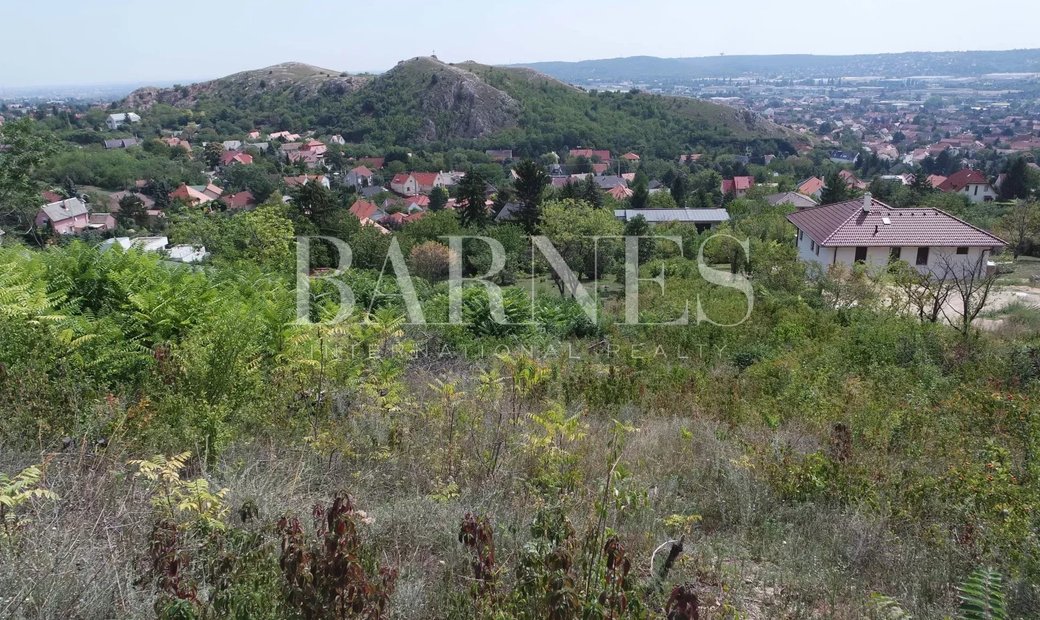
53,42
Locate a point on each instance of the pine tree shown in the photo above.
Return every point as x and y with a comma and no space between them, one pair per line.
530,190
472,196
640,192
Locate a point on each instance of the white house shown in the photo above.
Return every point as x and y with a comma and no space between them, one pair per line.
144,244
187,253
970,183
115,121
869,231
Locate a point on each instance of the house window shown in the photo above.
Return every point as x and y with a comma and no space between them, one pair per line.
799,235
812,245
976,190
817,250
922,256
962,250
861,255
894,254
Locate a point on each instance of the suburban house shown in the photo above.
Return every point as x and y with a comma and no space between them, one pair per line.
970,183
360,176
871,232
620,192
142,244
196,194
630,157
365,210
591,155
404,184
232,145
851,180
812,187
101,221
228,158
794,199
737,186
65,217
121,143
703,219
175,143
115,121
303,179
240,200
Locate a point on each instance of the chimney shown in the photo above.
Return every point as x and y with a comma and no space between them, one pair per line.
868,202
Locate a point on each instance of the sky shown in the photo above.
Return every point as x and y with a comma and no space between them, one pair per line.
65,42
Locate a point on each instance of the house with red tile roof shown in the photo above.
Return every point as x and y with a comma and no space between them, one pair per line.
240,200
812,187
737,186
630,156
869,231
592,155
359,176
196,194
303,179
228,158
365,210
405,184
970,183
935,180
851,180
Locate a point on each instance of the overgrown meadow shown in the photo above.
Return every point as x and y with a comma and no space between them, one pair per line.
174,445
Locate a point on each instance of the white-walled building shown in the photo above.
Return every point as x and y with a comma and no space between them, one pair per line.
869,231
115,121
970,183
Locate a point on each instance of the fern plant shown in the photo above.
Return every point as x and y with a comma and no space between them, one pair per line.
16,491
192,499
982,596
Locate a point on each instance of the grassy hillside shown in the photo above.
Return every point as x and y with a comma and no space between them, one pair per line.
426,102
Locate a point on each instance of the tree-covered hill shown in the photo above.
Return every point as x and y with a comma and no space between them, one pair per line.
426,102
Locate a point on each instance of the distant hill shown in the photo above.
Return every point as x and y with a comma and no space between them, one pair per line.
291,80
648,68
423,101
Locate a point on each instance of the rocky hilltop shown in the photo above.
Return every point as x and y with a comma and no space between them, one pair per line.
423,101
299,80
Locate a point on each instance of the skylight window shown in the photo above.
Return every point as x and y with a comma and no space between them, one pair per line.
885,220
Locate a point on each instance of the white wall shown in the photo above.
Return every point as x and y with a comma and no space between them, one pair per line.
979,193
878,256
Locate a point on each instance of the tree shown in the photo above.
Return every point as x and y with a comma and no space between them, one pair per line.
530,187
835,190
973,284
212,153
1016,180
68,187
25,151
591,193
430,260
314,202
640,192
680,189
472,196
572,226
438,199
132,211
1020,225
638,227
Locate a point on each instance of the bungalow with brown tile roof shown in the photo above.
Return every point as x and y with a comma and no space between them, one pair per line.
869,231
